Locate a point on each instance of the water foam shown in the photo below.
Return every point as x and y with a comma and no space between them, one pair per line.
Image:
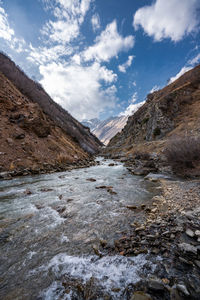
112,272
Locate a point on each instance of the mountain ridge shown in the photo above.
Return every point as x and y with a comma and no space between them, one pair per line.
106,129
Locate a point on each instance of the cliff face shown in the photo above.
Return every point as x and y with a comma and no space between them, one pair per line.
30,140
55,112
172,111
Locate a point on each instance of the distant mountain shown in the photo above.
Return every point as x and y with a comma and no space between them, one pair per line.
106,129
92,124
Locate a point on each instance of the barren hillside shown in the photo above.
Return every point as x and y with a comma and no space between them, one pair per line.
30,140
37,94
172,111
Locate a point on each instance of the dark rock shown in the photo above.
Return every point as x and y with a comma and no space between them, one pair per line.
156,285
91,179
140,296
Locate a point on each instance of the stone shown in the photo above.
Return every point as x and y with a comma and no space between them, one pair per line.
182,288
103,243
140,296
156,285
197,233
197,262
96,250
189,232
91,179
27,192
140,229
143,206
131,207
184,247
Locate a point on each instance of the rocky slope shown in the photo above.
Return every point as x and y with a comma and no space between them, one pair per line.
30,141
106,129
170,112
58,115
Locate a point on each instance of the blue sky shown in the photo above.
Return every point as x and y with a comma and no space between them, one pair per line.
99,58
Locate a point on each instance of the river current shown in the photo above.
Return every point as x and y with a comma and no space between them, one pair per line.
50,223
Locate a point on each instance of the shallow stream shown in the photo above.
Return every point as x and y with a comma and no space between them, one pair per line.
49,224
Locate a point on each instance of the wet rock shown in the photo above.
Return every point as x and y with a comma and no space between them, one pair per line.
91,179
133,207
96,250
39,206
140,296
46,190
103,187
103,243
111,165
110,191
27,192
60,209
140,171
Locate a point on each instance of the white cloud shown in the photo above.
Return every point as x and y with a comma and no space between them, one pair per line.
43,55
95,22
8,34
195,60
154,89
69,16
190,65
180,73
122,68
108,44
79,89
134,83
133,107
168,18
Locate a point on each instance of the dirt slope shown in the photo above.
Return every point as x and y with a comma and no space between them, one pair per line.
29,139
35,92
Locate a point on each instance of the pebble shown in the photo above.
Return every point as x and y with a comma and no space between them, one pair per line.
156,285
190,233
197,233
182,288
187,248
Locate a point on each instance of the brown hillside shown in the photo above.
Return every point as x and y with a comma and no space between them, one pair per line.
172,111
35,92
29,138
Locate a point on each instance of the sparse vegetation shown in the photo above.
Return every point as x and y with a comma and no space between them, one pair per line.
183,154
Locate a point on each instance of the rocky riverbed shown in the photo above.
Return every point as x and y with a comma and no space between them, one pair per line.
99,233
172,230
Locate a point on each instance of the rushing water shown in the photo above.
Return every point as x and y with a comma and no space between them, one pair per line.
49,223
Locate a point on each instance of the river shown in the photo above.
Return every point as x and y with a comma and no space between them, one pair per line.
50,223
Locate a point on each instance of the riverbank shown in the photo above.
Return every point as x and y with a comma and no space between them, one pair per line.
171,230
49,168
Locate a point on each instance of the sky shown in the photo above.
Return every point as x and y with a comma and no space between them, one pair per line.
100,58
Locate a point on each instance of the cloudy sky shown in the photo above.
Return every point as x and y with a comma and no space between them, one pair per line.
99,58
